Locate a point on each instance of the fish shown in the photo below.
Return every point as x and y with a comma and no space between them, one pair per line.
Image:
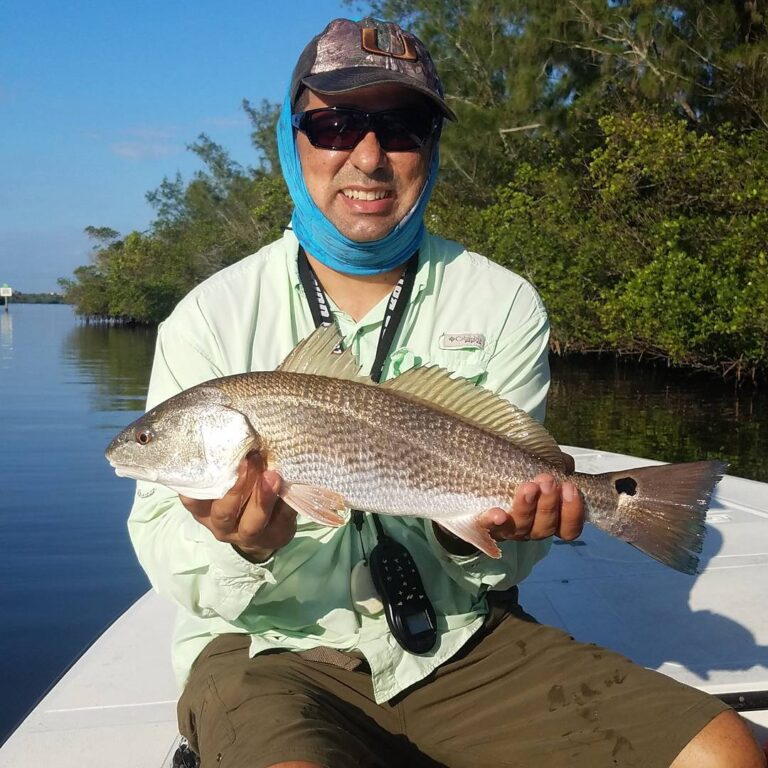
426,443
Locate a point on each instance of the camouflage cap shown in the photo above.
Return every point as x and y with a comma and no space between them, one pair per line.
348,55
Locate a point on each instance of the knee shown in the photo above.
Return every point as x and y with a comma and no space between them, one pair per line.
296,764
725,742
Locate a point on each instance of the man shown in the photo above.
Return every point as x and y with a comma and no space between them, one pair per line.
283,645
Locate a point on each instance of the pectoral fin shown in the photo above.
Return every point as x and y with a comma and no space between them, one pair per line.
319,504
469,530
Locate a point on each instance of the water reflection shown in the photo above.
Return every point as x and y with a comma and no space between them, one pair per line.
622,406
658,413
117,360
6,338
59,382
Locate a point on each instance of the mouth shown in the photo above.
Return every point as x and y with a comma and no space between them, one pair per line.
367,195
134,472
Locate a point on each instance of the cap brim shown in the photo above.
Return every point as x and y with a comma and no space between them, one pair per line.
352,78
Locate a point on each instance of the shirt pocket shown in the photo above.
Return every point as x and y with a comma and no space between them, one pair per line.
469,363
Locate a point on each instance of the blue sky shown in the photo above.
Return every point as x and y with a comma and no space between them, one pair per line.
99,99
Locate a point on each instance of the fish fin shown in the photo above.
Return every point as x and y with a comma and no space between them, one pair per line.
661,510
467,529
485,409
318,355
319,504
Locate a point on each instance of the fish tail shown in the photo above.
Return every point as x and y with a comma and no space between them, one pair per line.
660,509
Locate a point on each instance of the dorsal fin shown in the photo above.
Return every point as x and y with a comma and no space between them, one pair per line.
435,386
316,355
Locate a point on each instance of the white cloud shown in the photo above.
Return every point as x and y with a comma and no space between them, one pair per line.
150,132
231,121
144,150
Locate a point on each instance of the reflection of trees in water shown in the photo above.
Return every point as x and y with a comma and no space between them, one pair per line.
622,406
652,411
117,359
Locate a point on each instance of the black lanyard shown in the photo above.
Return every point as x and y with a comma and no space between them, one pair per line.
398,301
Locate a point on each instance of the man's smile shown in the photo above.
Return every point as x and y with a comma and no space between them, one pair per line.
362,194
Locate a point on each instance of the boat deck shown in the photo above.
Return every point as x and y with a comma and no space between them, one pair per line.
116,705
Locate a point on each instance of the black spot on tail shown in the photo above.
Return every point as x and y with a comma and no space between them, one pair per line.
626,485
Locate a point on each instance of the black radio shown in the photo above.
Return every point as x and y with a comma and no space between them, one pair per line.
409,612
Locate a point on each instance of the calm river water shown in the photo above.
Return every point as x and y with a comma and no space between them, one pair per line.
66,566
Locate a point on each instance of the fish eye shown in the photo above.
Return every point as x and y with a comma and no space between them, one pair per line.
144,436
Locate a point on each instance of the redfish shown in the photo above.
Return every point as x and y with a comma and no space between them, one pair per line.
424,444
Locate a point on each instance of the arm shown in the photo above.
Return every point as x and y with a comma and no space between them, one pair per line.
192,558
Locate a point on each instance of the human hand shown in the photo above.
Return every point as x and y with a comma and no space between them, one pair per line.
250,516
540,508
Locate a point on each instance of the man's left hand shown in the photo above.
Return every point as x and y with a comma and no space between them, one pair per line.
541,508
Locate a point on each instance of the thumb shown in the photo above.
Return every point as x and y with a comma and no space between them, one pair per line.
268,488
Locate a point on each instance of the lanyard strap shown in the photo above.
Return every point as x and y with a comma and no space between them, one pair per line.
393,315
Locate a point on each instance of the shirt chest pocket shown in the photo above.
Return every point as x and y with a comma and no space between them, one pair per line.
469,363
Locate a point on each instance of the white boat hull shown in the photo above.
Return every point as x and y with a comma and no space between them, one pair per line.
116,706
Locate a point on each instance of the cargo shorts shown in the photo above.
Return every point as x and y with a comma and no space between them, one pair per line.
518,695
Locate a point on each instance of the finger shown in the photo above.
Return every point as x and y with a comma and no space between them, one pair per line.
225,512
524,508
546,520
200,508
498,523
257,511
572,512
269,488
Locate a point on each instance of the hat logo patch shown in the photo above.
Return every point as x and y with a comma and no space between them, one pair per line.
370,43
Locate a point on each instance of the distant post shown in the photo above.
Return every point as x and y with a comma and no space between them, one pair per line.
5,293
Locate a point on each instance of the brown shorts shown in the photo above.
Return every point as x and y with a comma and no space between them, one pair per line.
518,694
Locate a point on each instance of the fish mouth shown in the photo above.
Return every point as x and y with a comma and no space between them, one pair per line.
136,473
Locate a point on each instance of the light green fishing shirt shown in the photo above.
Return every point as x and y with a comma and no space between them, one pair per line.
466,314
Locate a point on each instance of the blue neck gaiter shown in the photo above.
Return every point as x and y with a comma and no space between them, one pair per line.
321,238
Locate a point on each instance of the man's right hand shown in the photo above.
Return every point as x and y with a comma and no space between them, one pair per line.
251,516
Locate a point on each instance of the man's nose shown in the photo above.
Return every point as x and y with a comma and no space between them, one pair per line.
368,155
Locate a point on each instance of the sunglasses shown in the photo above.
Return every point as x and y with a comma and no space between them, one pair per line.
397,130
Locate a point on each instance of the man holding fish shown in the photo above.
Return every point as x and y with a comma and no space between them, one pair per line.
388,634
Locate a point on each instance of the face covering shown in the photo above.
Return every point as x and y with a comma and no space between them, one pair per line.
322,240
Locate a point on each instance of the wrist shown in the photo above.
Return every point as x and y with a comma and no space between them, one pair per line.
256,555
453,544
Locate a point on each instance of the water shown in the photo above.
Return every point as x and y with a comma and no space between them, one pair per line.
655,412
66,566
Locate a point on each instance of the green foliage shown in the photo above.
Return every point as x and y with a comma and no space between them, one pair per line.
34,298
516,68
654,242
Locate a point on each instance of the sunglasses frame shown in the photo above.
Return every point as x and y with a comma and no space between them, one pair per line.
301,121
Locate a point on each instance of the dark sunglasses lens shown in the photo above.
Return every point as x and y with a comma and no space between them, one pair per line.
404,130
335,128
